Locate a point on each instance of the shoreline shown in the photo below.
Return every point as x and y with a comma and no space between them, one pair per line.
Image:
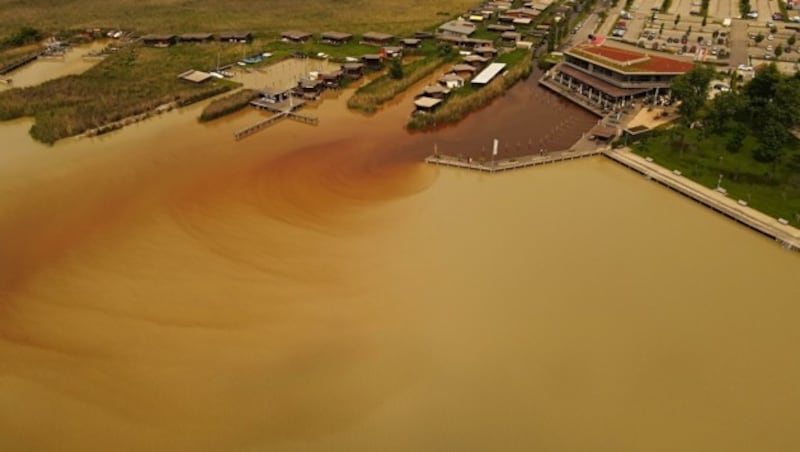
785,234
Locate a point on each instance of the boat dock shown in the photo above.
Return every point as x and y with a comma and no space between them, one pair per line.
510,164
281,110
787,236
19,63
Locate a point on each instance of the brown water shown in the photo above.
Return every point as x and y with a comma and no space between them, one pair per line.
165,288
49,68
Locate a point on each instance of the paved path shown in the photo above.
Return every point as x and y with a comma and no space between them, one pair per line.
786,235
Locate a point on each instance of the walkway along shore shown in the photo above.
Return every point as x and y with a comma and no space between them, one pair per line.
786,235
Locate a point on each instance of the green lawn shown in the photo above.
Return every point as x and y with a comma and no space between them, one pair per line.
706,158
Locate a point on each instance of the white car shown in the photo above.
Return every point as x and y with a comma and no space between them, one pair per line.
745,68
752,15
795,19
770,37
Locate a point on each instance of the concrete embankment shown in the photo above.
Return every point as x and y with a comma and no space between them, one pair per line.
786,235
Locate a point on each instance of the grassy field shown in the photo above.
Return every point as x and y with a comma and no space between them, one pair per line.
743,177
267,17
131,82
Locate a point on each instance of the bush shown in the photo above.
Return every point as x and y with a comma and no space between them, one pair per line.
228,104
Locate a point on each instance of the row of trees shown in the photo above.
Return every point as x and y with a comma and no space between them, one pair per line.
24,35
767,107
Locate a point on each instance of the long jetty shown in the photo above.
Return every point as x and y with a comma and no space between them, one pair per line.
786,235
509,164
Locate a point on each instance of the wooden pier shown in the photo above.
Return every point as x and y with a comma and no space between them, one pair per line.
19,63
510,164
787,236
281,110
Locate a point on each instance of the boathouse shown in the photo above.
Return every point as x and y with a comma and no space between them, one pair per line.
426,104
295,36
434,91
236,36
601,76
335,38
159,40
372,61
510,38
353,70
310,88
485,51
457,28
500,28
274,95
376,39
451,81
476,61
392,52
196,37
411,43
332,79
464,71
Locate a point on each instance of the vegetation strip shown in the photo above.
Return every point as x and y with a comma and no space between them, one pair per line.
385,88
228,104
465,100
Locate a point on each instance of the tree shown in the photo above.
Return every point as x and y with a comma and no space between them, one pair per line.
778,51
700,39
773,29
705,18
677,19
759,37
715,34
735,142
725,107
744,7
661,29
773,137
396,69
792,39
691,89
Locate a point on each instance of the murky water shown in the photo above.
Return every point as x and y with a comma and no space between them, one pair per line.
315,288
49,68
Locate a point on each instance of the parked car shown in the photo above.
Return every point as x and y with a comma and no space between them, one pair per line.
752,15
770,37
745,68
777,16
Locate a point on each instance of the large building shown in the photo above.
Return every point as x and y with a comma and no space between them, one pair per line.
601,77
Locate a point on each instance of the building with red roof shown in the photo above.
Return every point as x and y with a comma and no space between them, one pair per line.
605,76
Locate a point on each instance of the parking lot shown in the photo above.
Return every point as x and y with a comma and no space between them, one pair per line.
680,32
